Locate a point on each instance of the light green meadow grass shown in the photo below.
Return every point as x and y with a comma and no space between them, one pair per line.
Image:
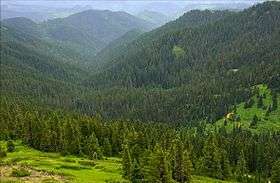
71,169
201,179
69,166
270,123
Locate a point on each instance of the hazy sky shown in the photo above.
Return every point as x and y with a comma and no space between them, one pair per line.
130,6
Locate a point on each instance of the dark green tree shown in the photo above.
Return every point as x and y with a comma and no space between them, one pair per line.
182,165
93,149
275,174
241,168
211,159
136,174
126,162
254,121
274,101
158,168
2,152
260,102
107,148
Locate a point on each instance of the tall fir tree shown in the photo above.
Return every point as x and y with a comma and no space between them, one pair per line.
275,173
182,165
107,148
241,168
93,149
274,101
126,162
158,168
211,159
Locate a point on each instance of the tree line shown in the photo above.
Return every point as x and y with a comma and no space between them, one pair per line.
151,152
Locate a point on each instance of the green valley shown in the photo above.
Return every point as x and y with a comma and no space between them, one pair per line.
101,96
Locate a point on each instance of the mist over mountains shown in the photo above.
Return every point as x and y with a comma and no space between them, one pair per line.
43,10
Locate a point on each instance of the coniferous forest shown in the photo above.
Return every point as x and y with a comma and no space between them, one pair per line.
194,100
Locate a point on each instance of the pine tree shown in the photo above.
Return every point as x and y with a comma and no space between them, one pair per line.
182,166
274,101
225,165
158,169
92,147
107,148
254,121
126,162
275,173
136,175
211,159
2,152
260,102
241,168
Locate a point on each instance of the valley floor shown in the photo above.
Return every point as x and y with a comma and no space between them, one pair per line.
53,168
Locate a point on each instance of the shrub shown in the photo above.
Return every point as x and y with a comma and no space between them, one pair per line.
20,172
10,146
87,163
2,153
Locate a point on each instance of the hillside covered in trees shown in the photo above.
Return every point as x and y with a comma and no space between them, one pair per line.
197,98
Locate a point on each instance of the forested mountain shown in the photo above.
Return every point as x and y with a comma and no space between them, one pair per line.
94,29
30,70
197,97
83,33
153,17
191,69
196,72
105,57
190,19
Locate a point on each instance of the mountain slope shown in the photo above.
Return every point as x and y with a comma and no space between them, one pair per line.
190,19
268,115
181,72
30,70
94,29
80,35
154,17
105,57
232,40
192,73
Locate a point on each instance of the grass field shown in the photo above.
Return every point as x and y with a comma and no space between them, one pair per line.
265,123
66,169
54,168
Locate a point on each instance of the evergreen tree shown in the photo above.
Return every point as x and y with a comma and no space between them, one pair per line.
260,102
254,121
274,101
136,175
158,169
107,148
275,174
2,152
211,159
126,162
182,166
92,147
225,165
241,168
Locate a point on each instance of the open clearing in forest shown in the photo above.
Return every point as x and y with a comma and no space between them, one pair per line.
54,168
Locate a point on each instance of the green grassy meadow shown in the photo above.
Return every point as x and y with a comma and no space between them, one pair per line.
68,168
265,123
54,168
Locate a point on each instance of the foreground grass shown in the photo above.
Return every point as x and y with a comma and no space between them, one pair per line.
71,168
57,168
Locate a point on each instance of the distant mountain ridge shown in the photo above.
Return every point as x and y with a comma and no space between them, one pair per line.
88,31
